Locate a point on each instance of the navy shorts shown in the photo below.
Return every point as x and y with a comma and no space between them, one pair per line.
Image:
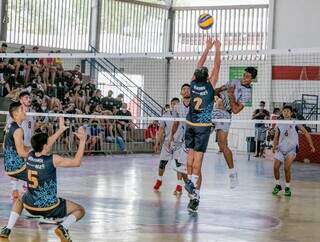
58,212
197,137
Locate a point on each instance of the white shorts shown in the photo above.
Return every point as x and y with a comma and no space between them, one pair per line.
221,114
172,153
282,156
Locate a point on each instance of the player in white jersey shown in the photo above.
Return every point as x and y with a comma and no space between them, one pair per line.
167,154
28,129
286,143
231,99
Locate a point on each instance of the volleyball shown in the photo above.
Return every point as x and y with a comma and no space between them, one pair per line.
205,21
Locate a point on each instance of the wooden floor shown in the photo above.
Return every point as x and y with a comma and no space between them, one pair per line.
121,205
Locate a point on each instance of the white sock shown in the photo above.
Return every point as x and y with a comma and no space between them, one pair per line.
71,219
194,179
14,184
197,192
231,171
287,184
277,182
12,219
160,178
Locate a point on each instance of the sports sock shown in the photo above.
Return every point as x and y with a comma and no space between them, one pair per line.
12,219
71,219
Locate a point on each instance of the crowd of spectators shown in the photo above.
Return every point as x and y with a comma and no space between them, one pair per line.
54,89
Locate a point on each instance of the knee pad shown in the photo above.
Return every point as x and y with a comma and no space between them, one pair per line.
178,164
163,164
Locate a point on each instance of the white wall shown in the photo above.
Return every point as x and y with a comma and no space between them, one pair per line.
296,24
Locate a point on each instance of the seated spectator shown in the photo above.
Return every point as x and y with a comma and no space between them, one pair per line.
124,124
96,98
108,103
95,135
111,132
151,132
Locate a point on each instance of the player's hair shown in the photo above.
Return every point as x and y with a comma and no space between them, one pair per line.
185,85
252,70
24,93
38,141
288,107
175,99
201,74
14,107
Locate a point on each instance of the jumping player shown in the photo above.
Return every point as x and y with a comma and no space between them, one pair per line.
286,143
167,154
41,196
231,99
199,120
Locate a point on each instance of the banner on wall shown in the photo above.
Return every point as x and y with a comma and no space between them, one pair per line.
236,73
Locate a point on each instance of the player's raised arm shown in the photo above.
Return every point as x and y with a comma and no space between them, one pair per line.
18,140
53,138
216,65
308,137
205,53
59,161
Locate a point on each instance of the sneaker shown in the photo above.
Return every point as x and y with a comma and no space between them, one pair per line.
234,182
193,205
287,191
157,185
5,232
178,190
189,186
62,234
276,189
14,195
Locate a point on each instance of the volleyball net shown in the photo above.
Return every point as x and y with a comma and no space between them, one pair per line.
96,90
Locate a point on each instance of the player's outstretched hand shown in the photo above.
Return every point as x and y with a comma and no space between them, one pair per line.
62,126
217,44
81,134
209,43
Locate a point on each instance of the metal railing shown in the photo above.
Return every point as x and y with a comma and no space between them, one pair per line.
144,101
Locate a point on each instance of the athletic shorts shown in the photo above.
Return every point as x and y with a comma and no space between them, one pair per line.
58,212
197,137
282,156
171,153
221,114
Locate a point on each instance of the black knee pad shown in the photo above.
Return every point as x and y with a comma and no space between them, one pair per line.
163,164
178,164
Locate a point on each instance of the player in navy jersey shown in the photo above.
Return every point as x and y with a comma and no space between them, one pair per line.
41,197
199,119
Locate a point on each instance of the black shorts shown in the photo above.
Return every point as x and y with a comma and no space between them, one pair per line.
21,175
197,138
58,212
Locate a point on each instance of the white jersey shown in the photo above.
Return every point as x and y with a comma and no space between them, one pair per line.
243,94
166,125
27,126
180,111
288,137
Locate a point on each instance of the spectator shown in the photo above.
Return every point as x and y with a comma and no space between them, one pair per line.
3,49
124,124
260,129
151,132
108,102
95,136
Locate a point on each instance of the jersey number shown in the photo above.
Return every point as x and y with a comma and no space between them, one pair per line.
32,178
198,102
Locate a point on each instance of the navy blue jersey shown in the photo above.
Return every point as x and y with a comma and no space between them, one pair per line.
13,163
201,104
42,183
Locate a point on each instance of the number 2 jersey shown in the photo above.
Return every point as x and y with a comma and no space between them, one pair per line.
42,183
201,104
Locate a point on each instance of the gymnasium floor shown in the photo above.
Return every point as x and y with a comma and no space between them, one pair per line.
121,205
